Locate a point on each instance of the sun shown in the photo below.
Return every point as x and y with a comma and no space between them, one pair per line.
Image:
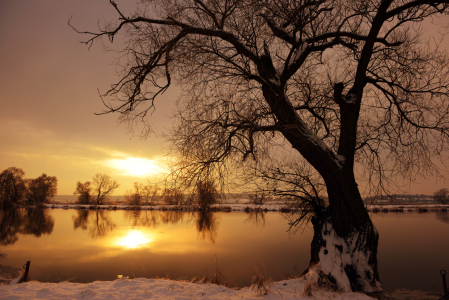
134,239
133,166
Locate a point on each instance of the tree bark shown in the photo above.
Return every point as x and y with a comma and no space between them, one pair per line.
344,245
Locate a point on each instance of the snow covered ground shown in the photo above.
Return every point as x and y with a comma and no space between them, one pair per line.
142,288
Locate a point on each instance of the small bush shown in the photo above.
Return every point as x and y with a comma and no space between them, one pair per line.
133,199
206,194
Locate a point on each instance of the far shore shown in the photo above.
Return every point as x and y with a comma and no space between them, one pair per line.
243,207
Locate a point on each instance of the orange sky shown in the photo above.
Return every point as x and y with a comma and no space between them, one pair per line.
48,94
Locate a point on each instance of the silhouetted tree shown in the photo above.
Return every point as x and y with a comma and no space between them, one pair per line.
102,187
141,193
173,196
206,193
441,196
149,193
84,190
258,198
96,192
336,83
133,197
41,189
12,186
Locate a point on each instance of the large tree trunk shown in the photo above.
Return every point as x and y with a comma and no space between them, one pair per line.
344,245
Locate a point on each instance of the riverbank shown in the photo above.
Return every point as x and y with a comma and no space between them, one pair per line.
246,207
391,274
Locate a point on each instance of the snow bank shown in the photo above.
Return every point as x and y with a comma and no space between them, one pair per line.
142,288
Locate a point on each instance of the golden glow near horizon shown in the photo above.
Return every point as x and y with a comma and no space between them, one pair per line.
134,166
134,239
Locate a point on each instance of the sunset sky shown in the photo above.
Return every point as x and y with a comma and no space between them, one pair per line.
48,92
49,85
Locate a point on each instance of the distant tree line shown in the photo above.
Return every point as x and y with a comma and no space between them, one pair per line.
203,194
441,196
15,189
97,191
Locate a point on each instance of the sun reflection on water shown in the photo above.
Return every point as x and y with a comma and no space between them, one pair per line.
134,239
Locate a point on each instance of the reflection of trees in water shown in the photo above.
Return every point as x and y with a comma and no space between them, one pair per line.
256,217
205,221
97,221
38,222
24,221
442,216
142,217
11,222
171,216
153,218
207,225
82,220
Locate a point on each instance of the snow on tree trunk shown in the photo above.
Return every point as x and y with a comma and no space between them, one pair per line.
348,264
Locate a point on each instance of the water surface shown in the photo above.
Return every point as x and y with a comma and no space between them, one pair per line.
89,245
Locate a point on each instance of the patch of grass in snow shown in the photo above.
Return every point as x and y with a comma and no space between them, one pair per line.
260,283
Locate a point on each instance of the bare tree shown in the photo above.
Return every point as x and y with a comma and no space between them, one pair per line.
96,192
133,196
149,193
141,193
258,198
102,187
41,189
84,190
337,83
441,196
173,196
12,186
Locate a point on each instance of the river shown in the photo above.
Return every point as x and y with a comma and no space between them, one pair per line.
88,245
